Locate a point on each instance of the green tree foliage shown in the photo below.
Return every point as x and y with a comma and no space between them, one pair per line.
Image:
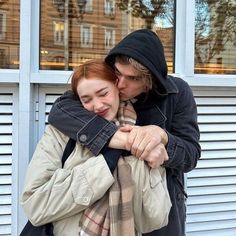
214,28
148,10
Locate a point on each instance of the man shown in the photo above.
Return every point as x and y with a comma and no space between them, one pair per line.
168,133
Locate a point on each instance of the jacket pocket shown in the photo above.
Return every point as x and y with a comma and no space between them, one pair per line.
151,201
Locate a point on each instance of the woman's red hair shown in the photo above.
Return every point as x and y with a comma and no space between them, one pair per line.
94,68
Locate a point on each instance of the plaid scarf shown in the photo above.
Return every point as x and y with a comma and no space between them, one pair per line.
113,214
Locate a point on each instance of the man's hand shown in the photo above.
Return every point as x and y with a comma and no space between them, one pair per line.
142,139
157,156
147,143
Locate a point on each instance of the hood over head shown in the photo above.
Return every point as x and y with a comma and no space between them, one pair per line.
145,47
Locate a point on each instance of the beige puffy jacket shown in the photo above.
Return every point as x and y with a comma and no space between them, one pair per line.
53,194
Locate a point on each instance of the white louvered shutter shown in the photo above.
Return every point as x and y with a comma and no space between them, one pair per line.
47,96
211,187
6,153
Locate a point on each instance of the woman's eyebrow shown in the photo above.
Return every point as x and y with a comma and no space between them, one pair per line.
98,91
101,90
84,96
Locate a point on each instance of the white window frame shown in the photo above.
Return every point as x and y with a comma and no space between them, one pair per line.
184,50
86,36
184,53
109,38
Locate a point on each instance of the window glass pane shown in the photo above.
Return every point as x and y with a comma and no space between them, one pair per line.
215,37
9,34
72,31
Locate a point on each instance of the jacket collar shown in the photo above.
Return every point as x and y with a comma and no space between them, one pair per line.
171,87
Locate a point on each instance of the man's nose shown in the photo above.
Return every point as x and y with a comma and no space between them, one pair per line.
121,83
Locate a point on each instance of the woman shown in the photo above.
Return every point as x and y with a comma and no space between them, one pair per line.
87,185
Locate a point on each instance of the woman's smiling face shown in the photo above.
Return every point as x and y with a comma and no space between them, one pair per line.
99,96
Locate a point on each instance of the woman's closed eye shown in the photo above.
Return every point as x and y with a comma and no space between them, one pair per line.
103,94
85,100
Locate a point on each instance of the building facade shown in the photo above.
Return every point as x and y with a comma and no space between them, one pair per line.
41,42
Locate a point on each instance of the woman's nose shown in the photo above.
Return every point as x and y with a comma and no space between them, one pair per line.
98,105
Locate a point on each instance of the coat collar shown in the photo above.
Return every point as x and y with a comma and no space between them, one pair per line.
171,87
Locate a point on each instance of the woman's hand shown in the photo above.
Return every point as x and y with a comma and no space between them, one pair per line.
119,140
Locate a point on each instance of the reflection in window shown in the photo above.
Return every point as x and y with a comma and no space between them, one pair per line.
9,34
109,7
109,38
3,57
215,37
58,32
2,25
88,34
89,6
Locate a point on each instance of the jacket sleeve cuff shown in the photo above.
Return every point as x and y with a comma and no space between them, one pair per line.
96,134
172,150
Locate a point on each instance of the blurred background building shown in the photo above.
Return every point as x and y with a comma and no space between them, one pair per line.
41,42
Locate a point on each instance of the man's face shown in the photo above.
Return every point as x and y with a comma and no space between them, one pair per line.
130,83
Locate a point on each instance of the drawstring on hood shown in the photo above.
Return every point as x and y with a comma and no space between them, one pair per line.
145,47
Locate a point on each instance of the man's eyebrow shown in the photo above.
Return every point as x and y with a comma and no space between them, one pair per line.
131,76
115,68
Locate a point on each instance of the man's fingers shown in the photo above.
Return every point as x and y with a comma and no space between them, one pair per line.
135,144
126,128
141,140
131,138
142,147
166,157
157,156
145,153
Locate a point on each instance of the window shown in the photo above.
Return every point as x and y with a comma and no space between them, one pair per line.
109,7
2,25
3,58
109,38
9,34
215,37
90,35
58,29
86,36
89,6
